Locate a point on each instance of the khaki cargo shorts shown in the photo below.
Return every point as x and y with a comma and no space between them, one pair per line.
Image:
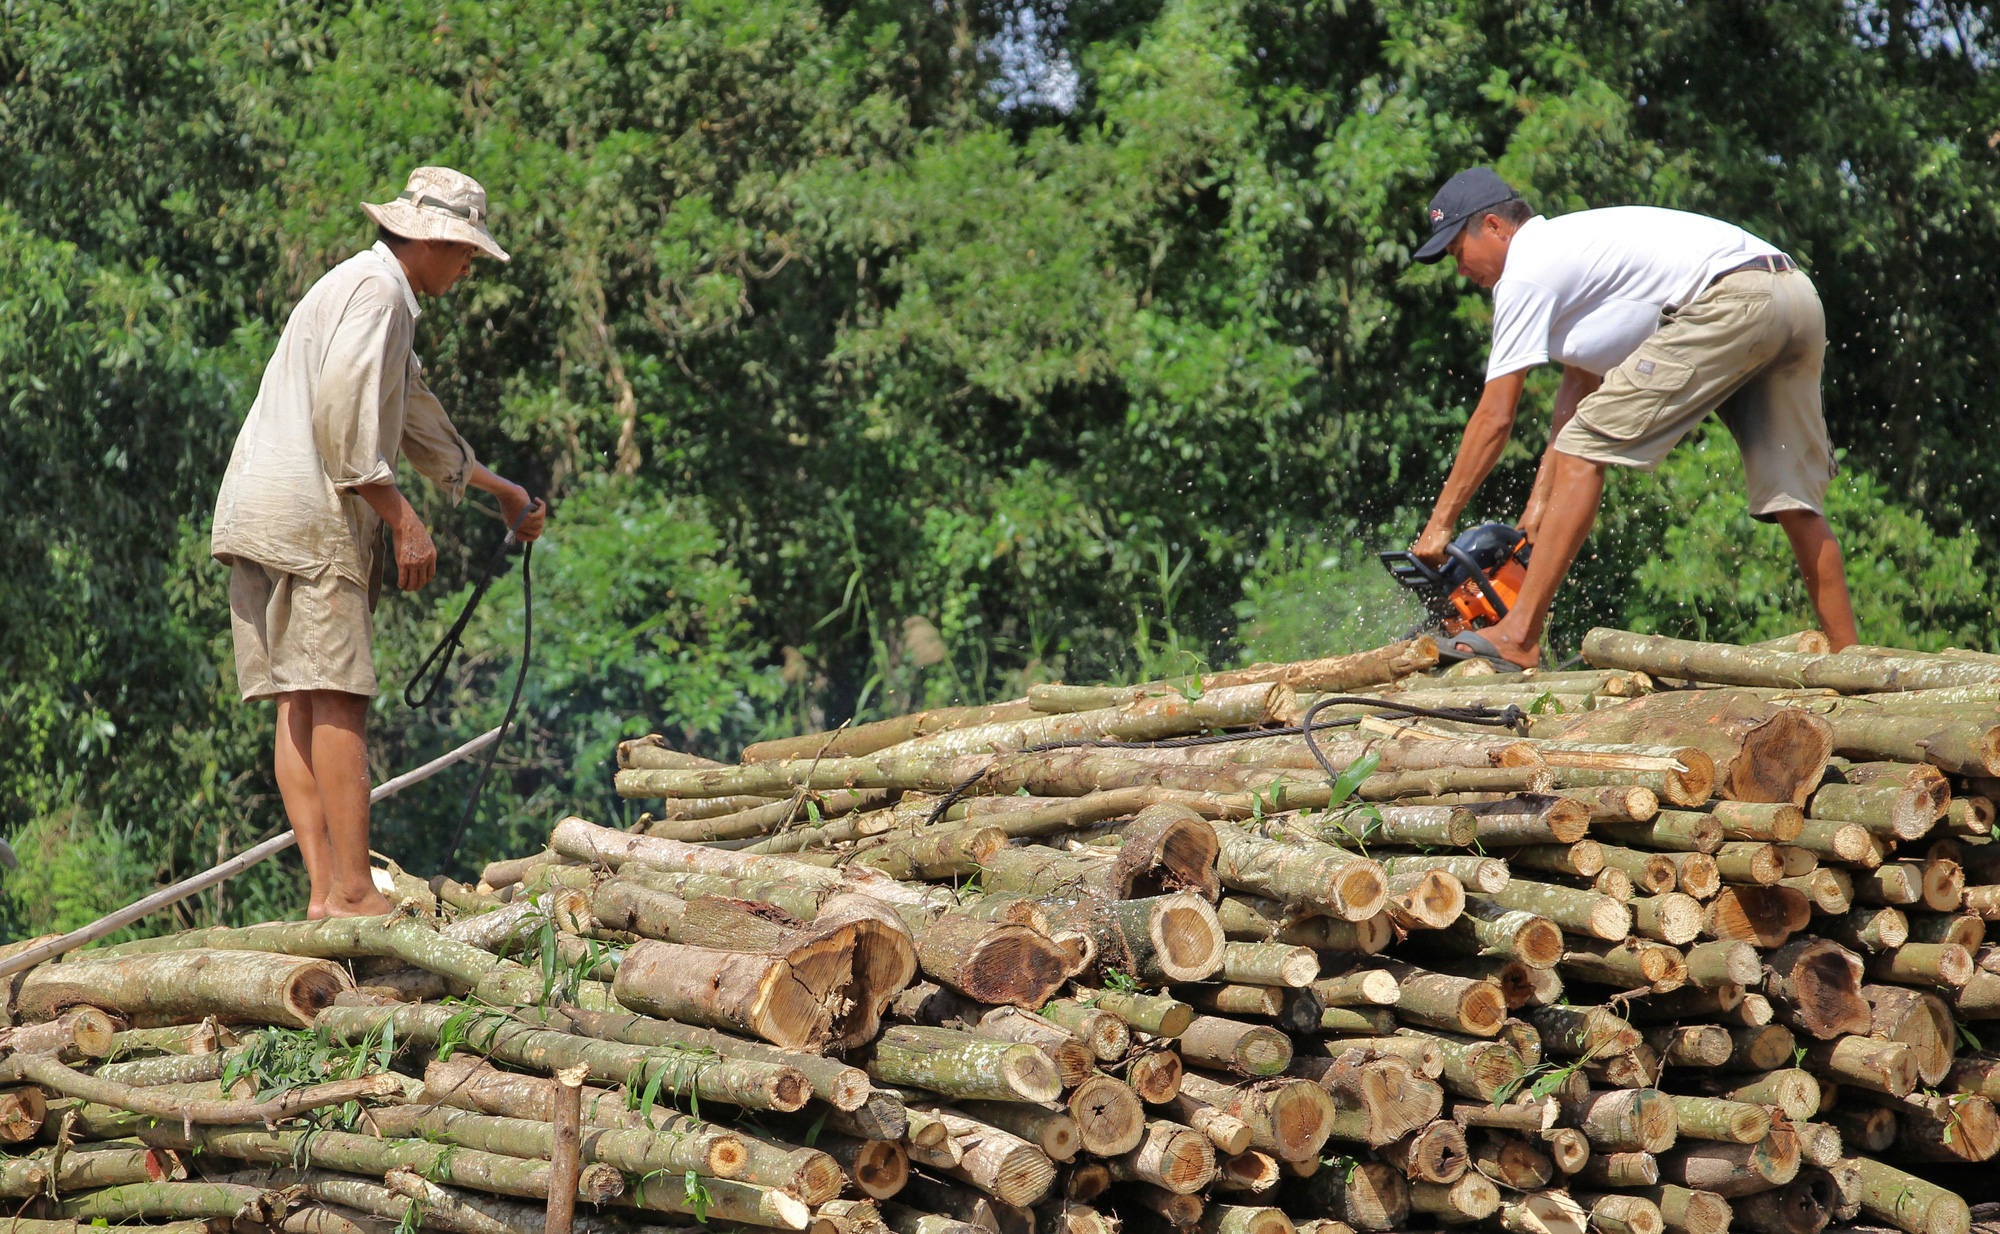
1749,348
298,633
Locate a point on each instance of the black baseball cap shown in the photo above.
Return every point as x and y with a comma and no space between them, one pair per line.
1462,197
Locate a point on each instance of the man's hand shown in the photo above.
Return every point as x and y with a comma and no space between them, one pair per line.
514,500
1429,547
416,556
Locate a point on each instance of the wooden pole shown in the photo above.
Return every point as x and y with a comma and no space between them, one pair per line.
566,1157
229,869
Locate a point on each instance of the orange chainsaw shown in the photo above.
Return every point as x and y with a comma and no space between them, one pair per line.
1479,581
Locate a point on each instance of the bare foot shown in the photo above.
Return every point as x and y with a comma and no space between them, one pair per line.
316,911
1509,647
372,905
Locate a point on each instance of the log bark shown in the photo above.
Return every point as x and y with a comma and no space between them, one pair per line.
1154,1074
860,738
1671,831
1918,1020
1632,1120
565,1150
1272,964
1434,1153
1480,1070
1106,1034
997,1162
1882,1066
1109,1116
1372,1196
674,1144
1149,1013
45,1072
1712,1118
1473,1197
1693,1045
1619,1170
1585,1032
1672,918
1892,811
1457,1004
1734,1169
1490,928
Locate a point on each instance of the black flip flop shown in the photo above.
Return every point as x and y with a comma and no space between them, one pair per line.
1481,648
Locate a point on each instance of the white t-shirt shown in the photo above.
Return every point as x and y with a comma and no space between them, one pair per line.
1587,288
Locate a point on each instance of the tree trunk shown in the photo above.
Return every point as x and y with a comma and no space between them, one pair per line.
1434,1153
1109,1116
1918,1020
1629,963
959,1064
1372,1196
1672,918
1711,1118
1892,811
1149,1013
1628,1120
1818,985
174,986
1272,964
1229,1134
1734,1169
1473,1197
1106,1034
1489,928
675,1144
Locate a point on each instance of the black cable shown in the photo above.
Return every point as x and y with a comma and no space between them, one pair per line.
448,646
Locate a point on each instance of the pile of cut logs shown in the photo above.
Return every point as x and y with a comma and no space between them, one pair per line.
1689,940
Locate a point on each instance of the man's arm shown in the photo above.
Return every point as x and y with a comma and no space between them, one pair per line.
1577,385
513,500
416,556
1486,435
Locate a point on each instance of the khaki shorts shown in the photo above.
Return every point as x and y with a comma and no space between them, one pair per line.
1749,348
298,633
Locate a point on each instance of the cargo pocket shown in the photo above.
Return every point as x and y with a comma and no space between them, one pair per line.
1635,394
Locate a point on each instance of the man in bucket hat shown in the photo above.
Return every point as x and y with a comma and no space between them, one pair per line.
1658,318
311,484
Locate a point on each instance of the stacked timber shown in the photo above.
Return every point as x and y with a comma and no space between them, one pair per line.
1687,941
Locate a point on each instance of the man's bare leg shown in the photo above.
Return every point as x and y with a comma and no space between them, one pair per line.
1825,573
1575,487
300,791
340,767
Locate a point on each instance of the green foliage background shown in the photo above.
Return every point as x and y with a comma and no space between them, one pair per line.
861,380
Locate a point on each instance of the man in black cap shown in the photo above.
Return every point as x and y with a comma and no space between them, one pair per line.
1658,317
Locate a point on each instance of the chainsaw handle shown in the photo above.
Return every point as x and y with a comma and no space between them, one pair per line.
1478,576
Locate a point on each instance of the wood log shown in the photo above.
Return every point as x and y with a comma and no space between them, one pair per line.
1107,1035
1229,1134
1378,1099
1734,1169
843,1087
1583,859
878,1169
1626,964
1588,1032
1154,1074
1908,1202
999,1163
784,999
1457,1004
1694,1045
959,1064
1241,1219
1650,873
1689,1212
1228,1000
1435,1153
1472,1197
1672,918
1766,916
1317,876
1109,1116
1480,1070
1624,1120
1868,1129
1149,1013
1712,1118
1892,811
1621,1214
1722,963
675,1143
1816,984
1918,1020
1490,928
169,987
565,1150
992,961
1158,940
1170,1156
1371,1196
750,1084
1669,831
1510,1160
1765,1048
1956,1128
1881,1066
1425,899
1073,1060
1794,1092
1246,1049
1271,964
1618,1170
1288,1118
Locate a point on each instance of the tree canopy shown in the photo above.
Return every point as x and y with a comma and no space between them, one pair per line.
878,354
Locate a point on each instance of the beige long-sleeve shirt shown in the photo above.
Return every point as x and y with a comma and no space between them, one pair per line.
342,396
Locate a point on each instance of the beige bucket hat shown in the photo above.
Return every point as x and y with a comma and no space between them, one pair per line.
439,204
